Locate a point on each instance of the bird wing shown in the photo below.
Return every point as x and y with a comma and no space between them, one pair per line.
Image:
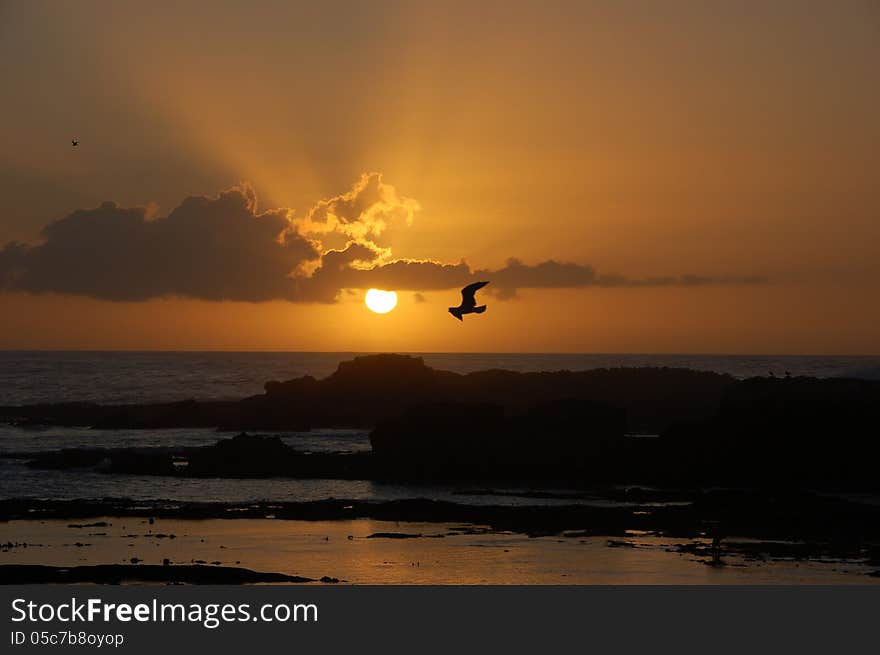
467,294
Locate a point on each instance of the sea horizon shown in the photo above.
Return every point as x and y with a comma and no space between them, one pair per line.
706,353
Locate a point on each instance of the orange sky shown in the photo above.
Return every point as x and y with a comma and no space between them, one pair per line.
721,140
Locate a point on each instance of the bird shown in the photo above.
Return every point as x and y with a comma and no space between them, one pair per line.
74,143
468,301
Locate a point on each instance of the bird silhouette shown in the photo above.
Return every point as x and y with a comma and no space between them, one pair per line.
468,301
74,143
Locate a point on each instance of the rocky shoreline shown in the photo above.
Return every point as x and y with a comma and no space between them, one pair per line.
564,428
372,388
716,528
746,513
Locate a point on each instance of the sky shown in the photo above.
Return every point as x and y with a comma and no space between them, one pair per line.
630,176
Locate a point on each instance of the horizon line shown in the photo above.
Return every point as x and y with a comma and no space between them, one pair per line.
430,352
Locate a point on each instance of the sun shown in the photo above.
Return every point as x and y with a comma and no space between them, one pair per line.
380,301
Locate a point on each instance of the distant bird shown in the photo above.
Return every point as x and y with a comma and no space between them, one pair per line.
468,301
74,143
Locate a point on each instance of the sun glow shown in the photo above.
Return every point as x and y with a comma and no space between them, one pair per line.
380,301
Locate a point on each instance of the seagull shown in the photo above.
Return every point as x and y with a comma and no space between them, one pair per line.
468,302
74,143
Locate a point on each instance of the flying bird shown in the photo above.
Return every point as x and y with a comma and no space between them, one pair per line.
74,143
468,301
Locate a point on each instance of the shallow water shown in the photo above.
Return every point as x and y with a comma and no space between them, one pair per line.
44,439
343,549
19,481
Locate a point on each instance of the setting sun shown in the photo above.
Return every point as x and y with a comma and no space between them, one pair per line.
380,301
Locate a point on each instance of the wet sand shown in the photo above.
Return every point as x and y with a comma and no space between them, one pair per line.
368,551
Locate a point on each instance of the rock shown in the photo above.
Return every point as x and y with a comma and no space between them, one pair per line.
393,535
116,574
560,439
782,431
243,455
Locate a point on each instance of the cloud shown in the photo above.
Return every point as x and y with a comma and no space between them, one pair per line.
552,274
222,248
209,248
549,274
402,275
426,275
364,213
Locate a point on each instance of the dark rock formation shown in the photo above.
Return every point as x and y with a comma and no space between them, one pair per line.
248,456
119,573
557,440
242,456
782,431
368,389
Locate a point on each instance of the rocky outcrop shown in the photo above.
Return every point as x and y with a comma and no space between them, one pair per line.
242,456
368,389
548,427
254,456
783,431
563,439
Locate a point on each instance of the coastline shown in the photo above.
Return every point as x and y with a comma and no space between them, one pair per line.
733,476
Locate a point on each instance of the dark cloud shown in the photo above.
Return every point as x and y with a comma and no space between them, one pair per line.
550,274
562,275
336,273
223,249
422,275
210,248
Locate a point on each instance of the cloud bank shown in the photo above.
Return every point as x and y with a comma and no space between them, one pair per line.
209,248
223,248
